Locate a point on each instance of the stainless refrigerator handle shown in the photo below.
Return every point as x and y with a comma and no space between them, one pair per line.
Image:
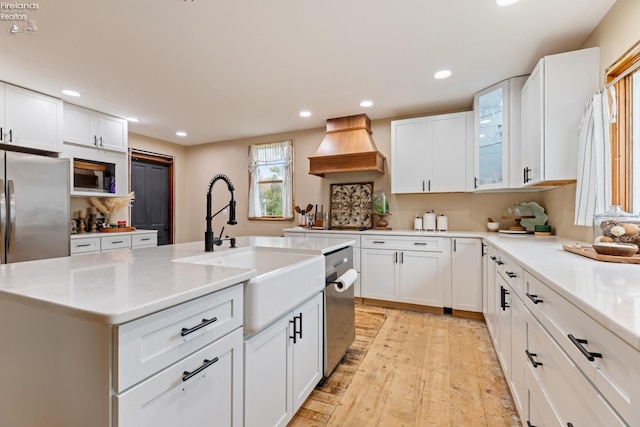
11,194
3,219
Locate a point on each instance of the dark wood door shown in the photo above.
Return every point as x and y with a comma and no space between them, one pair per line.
151,209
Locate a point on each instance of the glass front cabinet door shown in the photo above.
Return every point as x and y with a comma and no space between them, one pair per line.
497,134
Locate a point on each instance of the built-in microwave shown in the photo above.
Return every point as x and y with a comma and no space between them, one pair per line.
93,176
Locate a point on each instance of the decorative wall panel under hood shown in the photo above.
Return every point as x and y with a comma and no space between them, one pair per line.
347,147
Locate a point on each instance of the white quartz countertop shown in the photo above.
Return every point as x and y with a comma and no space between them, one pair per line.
120,286
452,233
110,233
607,292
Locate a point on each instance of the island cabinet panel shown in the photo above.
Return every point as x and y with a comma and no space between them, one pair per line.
283,364
203,389
154,342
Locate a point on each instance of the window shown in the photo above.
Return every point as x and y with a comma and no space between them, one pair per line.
271,180
625,135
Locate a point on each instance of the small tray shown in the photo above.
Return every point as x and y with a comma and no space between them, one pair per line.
117,230
587,251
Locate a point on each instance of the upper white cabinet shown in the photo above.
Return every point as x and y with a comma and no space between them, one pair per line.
30,119
553,100
429,154
93,129
497,135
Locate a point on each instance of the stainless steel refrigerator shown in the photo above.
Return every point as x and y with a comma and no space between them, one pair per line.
34,207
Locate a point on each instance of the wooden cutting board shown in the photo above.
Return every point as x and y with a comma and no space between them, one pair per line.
589,252
118,230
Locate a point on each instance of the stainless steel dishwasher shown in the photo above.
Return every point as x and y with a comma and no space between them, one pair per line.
339,309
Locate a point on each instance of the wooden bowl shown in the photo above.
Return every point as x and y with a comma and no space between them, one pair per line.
615,249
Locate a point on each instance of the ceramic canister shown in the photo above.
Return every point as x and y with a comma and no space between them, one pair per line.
442,223
429,221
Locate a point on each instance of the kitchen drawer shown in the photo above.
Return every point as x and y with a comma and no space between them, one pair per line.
330,235
575,400
538,410
109,243
85,246
512,273
143,240
409,243
211,397
147,345
615,373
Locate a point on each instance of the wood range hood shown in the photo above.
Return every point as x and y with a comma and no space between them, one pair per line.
347,147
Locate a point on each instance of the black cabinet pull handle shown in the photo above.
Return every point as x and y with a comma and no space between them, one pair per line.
205,322
475,182
83,245
186,374
534,363
117,241
295,333
499,262
1,134
378,241
529,424
482,248
95,140
586,353
10,135
429,185
455,246
396,260
401,257
420,243
511,274
569,425
534,298
492,258
503,298
145,239
101,145
299,316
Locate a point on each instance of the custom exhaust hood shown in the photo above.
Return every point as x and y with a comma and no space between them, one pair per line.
347,147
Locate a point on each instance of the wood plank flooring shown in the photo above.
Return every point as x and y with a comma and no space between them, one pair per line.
408,368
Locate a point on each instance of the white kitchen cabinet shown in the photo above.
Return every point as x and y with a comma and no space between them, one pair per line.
553,101
101,242
283,363
466,269
30,119
430,154
93,129
115,162
408,270
497,135
203,389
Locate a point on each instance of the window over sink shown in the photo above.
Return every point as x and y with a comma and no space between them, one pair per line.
271,181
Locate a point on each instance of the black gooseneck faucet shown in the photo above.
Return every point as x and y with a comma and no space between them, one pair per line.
209,239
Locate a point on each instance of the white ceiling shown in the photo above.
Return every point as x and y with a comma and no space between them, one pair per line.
223,70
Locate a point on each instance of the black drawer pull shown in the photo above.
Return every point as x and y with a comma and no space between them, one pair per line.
533,362
115,242
499,262
186,374
534,298
420,243
378,241
569,425
295,331
145,239
83,245
503,298
529,424
299,316
511,274
493,258
578,343
205,322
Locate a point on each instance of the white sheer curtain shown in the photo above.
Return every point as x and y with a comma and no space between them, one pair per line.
269,154
593,190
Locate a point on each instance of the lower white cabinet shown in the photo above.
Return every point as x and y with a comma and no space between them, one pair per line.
283,364
466,270
92,243
203,389
414,271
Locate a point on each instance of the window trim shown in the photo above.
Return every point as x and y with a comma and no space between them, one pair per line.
273,218
618,75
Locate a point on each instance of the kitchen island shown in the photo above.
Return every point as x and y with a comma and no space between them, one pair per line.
86,340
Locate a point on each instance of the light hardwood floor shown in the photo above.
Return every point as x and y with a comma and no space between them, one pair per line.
413,369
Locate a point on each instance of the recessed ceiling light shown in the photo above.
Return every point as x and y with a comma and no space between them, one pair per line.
442,74
181,133
70,92
305,113
132,119
366,103
506,2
